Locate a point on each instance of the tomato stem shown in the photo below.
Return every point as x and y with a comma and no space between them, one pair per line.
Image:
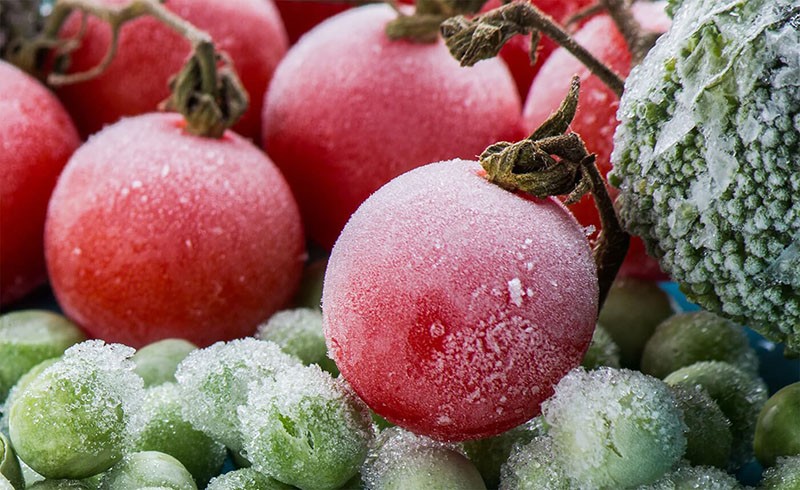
552,162
207,91
638,40
423,25
472,40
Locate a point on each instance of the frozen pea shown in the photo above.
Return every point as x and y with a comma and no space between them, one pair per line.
28,337
215,382
614,428
738,393
695,478
784,475
709,440
532,467
299,333
406,461
60,485
156,363
630,314
309,294
602,351
686,338
489,454
148,469
71,421
9,464
778,426
161,426
5,484
305,429
246,479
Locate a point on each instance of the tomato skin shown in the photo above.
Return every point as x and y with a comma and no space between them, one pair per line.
249,31
37,137
349,109
452,306
595,119
153,233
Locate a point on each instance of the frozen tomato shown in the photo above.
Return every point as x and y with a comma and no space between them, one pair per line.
452,306
595,119
349,109
249,31
154,233
37,137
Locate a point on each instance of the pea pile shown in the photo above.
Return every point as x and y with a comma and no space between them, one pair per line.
684,406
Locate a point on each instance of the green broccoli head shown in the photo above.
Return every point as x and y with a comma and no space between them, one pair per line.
707,159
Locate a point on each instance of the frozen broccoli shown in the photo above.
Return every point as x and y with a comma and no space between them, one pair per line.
707,157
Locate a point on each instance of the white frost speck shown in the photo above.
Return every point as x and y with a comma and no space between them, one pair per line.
515,291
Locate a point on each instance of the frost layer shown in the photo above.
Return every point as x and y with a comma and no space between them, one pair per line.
705,157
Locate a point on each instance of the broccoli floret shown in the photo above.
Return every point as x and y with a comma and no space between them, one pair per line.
707,158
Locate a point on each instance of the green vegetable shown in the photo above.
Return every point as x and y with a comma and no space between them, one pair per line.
9,464
705,157
785,475
532,467
148,469
694,478
156,363
246,479
709,440
299,332
686,338
602,351
778,426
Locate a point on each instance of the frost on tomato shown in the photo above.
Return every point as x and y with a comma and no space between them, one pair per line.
452,306
349,109
249,31
153,233
37,137
595,118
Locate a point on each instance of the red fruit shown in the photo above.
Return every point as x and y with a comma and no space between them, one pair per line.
153,233
452,306
249,31
37,139
595,119
349,109
516,52
300,17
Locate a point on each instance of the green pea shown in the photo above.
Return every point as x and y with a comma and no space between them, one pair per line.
305,429
614,428
630,314
299,333
156,363
20,386
28,337
784,475
533,467
778,426
60,485
602,351
405,461
489,454
246,479
738,393
686,338
694,478
148,469
709,440
71,420
9,464
161,426
215,382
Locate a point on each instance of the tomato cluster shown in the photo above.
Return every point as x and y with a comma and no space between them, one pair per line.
152,232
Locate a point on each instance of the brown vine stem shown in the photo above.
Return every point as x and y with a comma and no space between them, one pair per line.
206,91
639,41
482,37
552,162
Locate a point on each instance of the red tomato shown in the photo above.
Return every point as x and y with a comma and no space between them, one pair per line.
349,109
516,53
38,137
149,53
154,233
452,306
595,119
